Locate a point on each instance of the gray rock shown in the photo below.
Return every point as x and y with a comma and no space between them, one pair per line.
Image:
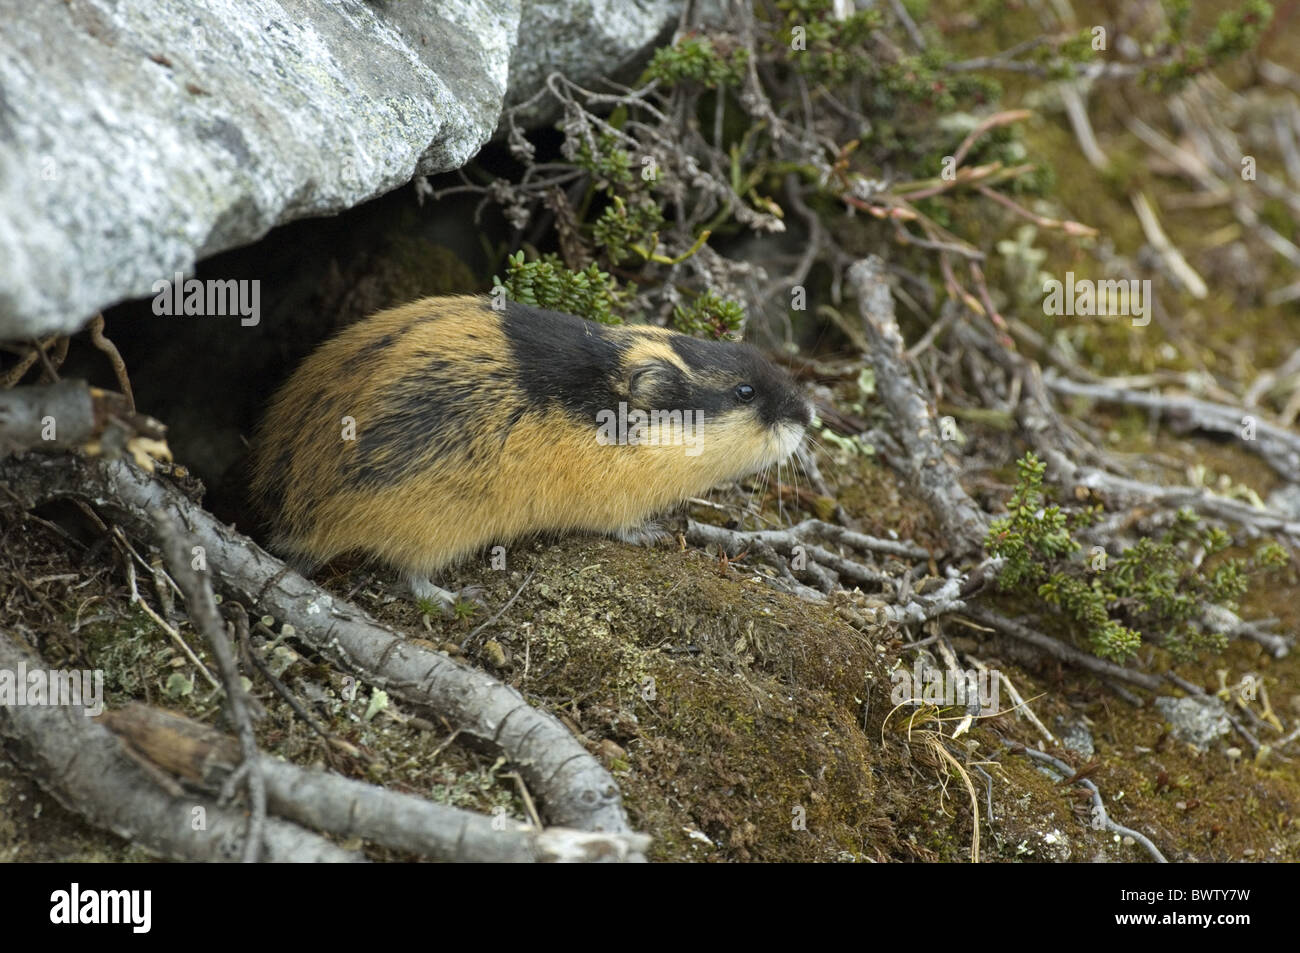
1198,722
137,136
585,40
1286,499
1075,736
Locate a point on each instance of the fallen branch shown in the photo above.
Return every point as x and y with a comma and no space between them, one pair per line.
1125,491
780,548
1059,650
71,415
346,808
734,542
575,789
86,769
1278,446
922,607
924,463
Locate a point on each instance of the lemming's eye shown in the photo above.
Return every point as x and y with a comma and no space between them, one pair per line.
745,392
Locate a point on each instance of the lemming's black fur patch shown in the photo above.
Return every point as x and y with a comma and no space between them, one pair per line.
422,414
562,359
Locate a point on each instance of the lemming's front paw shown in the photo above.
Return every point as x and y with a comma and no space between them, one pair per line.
476,594
443,600
424,590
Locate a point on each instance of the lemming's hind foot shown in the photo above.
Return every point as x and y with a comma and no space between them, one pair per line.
646,534
425,590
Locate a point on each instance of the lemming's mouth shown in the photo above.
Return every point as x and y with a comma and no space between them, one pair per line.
786,436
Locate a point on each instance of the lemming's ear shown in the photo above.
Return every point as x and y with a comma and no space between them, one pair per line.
645,381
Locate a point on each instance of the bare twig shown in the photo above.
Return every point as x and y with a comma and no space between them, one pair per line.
1060,650
915,424
500,612
1100,817
114,357
189,568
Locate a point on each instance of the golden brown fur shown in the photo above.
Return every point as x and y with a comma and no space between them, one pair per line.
451,454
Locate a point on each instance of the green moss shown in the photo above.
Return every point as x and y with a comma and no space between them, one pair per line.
695,59
626,231
1235,32
604,159
1156,590
546,283
709,316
